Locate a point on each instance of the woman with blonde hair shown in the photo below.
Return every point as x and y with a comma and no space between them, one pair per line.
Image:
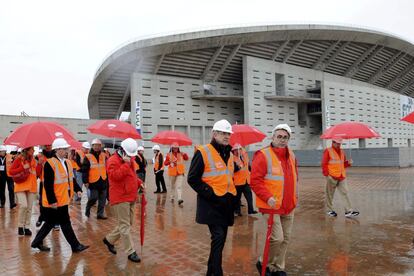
23,171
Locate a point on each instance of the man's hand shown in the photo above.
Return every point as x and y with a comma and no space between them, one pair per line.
271,202
350,161
26,166
126,159
53,205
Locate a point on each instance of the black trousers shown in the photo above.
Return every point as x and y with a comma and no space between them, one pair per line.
218,239
244,189
159,181
96,195
10,187
53,217
41,208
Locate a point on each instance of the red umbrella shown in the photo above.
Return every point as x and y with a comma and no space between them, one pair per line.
114,129
246,135
409,118
350,130
168,137
267,244
142,226
39,133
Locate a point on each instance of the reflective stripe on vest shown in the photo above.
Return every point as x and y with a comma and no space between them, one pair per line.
97,169
177,169
242,176
157,162
336,163
63,182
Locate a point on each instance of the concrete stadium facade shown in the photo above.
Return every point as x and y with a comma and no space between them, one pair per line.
309,76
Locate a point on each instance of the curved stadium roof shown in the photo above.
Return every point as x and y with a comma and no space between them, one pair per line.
216,55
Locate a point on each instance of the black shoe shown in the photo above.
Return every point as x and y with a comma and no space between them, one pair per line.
2,206
253,212
27,232
163,192
14,205
38,223
180,202
157,192
101,217
41,247
279,273
20,231
259,268
87,214
237,214
332,214
80,248
134,257
110,246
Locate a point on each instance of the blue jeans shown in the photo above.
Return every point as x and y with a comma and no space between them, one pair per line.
78,176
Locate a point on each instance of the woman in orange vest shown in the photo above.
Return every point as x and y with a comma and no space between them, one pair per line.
159,170
242,179
58,190
176,169
334,164
25,188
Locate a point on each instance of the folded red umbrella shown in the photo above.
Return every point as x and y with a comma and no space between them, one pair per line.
38,134
270,221
350,130
114,129
245,135
142,226
169,137
409,118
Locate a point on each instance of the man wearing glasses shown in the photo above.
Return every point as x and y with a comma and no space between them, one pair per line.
274,181
211,176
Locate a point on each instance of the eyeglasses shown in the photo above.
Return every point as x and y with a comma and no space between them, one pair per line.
280,137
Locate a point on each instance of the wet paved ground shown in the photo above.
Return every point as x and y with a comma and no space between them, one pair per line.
379,242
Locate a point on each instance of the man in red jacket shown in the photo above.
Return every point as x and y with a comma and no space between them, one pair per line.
334,164
123,188
274,181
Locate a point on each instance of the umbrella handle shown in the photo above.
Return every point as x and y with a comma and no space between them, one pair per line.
267,244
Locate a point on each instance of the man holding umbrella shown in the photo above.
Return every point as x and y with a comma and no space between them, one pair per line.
274,181
334,164
123,187
211,176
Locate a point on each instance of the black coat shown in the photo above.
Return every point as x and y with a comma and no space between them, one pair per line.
211,209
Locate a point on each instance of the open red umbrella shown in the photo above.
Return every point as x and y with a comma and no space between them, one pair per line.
245,135
39,133
409,118
114,129
142,226
168,137
350,130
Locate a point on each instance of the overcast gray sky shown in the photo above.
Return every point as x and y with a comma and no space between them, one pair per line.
49,51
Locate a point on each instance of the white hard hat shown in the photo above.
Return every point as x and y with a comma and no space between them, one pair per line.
284,127
223,126
130,146
236,146
96,141
140,148
86,145
3,148
19,150
156,147
175,145
60,143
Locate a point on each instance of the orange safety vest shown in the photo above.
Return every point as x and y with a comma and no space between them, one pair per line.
96,170
336,164
179,169
135,164
274,179
9,162
157,162
75,165
217,174
63,182
30,184
242,176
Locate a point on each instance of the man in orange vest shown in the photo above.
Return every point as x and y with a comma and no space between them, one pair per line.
79,156
211,176
6,161
334,164
176,169
242,179
95,179
159,170
58,189
274,181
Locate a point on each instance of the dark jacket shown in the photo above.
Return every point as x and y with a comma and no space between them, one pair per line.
86,165
142,164
211,209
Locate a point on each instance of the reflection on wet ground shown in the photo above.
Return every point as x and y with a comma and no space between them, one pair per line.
379,242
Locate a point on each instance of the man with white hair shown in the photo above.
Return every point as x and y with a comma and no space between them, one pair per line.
334,164
274,180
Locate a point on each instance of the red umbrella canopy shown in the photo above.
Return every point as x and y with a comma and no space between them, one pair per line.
245,135
114,129
350,130
168,137
409,118
39,133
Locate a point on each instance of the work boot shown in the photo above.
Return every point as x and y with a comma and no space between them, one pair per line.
259,268
80,248
134,257
27,232
110,246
